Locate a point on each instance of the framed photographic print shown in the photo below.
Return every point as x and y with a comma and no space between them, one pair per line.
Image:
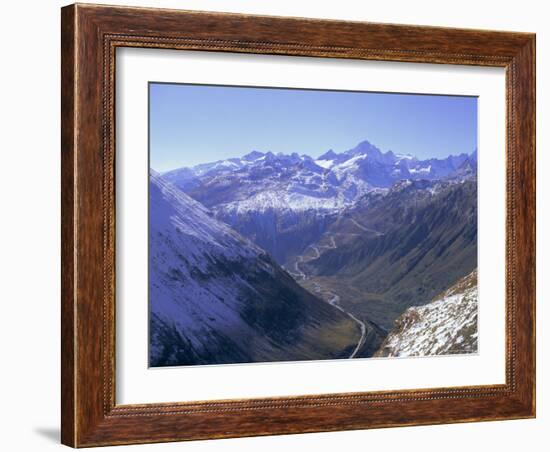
280,225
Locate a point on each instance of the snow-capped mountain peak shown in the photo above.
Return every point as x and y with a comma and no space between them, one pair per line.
252,156
329,155
291,184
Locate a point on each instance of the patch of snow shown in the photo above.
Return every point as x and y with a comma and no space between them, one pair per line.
404,156
283,200
425,170
352,161
327,164
447,325
227,163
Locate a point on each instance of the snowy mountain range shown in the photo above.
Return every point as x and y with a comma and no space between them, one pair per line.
284,202
263,181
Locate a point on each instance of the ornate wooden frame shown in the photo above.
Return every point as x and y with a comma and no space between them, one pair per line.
90,35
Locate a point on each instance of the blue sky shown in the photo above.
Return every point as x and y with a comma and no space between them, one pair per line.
191,124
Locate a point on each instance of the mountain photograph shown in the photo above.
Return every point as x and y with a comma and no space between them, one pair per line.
264,246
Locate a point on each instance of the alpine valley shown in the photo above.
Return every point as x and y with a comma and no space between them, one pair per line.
284,257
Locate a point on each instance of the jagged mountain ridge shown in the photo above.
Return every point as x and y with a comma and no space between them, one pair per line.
286,202
299,182
217,298
445,326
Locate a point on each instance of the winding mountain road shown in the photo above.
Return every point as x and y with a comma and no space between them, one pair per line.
334,302
334,299
360,226
299,272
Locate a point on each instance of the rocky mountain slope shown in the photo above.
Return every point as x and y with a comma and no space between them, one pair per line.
400,249
447,325
216,298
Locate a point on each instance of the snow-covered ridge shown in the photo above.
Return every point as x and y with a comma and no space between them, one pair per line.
262,181
195,224
324,163
447,325
335,162
275,200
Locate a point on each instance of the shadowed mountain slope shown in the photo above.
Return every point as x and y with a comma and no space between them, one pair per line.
216,298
